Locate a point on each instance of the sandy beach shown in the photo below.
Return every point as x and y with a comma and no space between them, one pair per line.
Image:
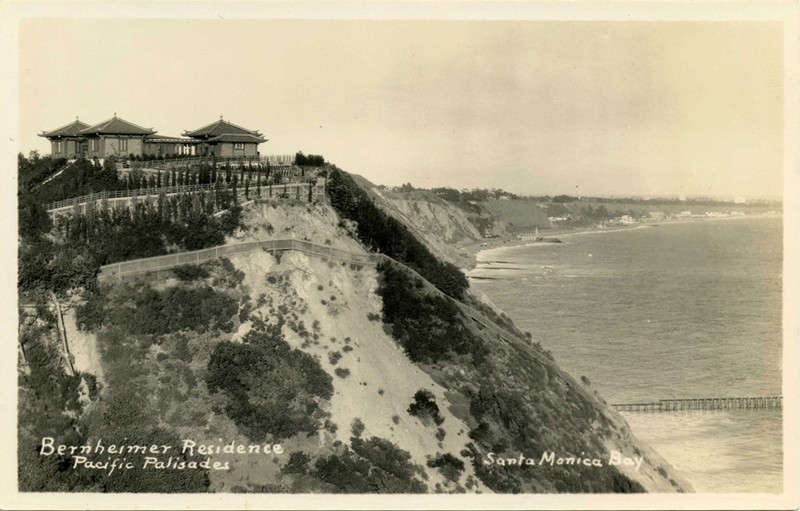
474,248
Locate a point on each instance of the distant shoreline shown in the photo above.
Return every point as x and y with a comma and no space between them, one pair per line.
475,248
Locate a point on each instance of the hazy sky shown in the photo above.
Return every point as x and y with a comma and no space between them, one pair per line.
533,107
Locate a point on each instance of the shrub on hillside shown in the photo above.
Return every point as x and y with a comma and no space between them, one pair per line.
47,265
357,427
49,395
272,389
450,466
297,464
425,408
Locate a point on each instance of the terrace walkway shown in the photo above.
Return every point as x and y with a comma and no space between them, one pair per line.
114,197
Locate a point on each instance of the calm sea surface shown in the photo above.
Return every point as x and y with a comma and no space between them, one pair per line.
681,310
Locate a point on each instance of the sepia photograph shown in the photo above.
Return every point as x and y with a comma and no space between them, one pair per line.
409,255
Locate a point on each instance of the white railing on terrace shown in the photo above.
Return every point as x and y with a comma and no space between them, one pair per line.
298,190
277,161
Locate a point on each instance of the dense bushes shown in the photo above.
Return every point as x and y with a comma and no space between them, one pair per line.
141,309
372,466
190,272
34,169
428,326
529,412
272,389
385,234
44,264
49,406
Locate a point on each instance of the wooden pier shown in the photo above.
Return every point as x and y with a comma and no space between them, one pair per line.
703,404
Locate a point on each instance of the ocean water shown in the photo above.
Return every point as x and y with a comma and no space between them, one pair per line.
681,310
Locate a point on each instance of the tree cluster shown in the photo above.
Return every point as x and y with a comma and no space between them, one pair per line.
310,160
103,235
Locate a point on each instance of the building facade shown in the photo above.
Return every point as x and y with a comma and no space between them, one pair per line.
225,139
120,138
67,141
115,137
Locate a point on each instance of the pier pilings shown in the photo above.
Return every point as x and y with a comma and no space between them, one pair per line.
704,404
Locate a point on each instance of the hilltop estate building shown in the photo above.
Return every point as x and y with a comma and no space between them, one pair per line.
118,137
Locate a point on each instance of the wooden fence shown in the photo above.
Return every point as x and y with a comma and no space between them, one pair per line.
169,261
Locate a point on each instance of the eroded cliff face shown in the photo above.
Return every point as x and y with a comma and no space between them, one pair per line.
292,350
449,228
443,226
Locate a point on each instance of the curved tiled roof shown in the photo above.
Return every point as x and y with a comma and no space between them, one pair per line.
116,126
70,130
230,137
220,127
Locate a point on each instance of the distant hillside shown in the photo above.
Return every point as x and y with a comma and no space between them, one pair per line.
519,215
448,222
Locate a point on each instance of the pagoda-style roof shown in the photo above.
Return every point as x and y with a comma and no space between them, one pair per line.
222,127
230,137
72,129
116,126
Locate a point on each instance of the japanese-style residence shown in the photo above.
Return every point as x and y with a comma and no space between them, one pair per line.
121,138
